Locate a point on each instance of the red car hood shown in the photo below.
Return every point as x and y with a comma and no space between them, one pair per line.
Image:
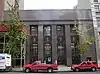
75,65
27,65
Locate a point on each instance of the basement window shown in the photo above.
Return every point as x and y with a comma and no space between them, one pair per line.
95,0
99,33
96,6
97,13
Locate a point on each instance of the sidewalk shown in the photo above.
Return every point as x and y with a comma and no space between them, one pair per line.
61,68
17,70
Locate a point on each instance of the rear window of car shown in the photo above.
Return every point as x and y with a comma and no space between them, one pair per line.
94,62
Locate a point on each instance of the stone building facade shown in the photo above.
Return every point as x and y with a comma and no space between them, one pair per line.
51,35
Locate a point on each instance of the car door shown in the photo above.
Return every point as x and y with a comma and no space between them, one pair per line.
89,65
43,66
83,65
35,66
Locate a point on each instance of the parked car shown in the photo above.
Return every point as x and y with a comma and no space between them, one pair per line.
86,65
5,62
36,66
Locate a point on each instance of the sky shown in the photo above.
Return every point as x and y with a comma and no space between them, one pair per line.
49,4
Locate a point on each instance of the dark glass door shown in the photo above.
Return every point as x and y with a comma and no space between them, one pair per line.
47,43
61,54
34,43
75,50
61,45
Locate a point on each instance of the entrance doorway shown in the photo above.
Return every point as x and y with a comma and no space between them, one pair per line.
61,61
61,56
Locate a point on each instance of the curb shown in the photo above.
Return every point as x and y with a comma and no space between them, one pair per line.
46,72
40,72
54,71
17,71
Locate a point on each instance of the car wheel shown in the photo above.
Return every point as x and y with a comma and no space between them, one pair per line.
49,70
73,70
10,69
77,69
93,69
27,70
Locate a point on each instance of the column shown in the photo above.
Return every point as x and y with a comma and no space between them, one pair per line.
40,42
54,44
68,47
27,50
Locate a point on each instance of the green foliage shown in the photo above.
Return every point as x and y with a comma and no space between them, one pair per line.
15,34
83,48
86,40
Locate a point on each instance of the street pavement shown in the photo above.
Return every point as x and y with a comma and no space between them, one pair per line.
52,73
60,69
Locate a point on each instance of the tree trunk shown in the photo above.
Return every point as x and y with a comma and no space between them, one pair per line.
21,60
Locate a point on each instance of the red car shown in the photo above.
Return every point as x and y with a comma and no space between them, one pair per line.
36,66
86,65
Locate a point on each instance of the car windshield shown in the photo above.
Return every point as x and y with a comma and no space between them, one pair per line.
94,62
82,63
36,62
